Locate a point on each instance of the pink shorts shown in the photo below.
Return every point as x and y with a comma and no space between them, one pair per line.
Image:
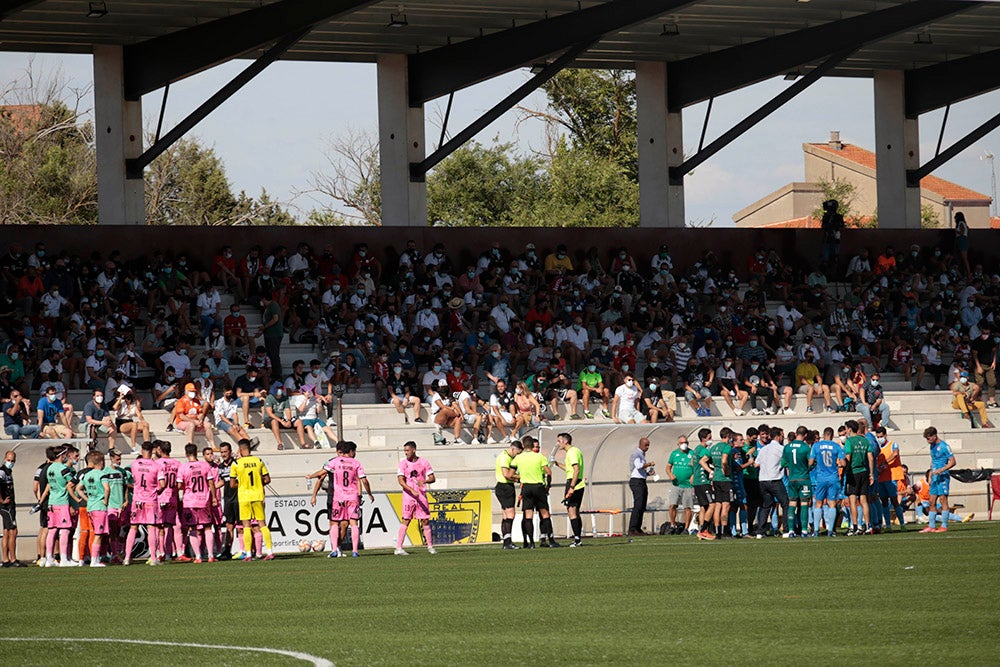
59,516
344,510
196,516
99,521
146,514
168,514
414,509
184,425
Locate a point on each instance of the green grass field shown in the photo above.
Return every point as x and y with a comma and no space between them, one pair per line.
892,599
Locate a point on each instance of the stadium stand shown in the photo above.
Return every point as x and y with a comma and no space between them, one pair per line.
706,315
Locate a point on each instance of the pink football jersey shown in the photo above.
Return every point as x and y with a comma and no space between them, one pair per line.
416,473
144,472
168,474
199,479
344,473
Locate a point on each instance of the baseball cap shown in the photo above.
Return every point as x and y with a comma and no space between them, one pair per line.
190,387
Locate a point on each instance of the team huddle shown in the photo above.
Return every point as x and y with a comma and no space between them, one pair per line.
809,485
180,507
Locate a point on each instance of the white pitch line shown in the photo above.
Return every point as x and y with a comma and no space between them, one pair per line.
305,657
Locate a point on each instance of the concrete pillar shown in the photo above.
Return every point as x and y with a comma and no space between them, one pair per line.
661,146
401,141
897,148
118,130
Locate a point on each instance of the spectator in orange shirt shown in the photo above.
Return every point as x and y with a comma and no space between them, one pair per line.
886,262
189,415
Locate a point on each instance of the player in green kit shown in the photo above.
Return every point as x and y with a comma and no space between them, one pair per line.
120,481
703,484
680,468
860,462
575,484
95,490
795,460
722,485
532,471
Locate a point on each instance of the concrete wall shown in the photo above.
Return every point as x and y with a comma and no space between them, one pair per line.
795,200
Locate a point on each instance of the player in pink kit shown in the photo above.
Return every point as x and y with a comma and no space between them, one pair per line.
196,483
172,534
414,475
145,503
345,477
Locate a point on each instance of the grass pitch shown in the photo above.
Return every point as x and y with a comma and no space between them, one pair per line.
892,599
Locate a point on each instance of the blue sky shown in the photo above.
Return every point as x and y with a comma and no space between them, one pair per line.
271,134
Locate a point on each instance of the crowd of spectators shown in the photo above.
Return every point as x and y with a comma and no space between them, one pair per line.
521,332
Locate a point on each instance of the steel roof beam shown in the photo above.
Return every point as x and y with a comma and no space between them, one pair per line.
448,68
697,79
935,86
156,62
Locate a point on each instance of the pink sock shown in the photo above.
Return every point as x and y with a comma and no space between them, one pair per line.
50,543
64,544
95,551
400,536
179,542
334,537
258,542
427,535
210,543
355,538
153,535
129,543
195,543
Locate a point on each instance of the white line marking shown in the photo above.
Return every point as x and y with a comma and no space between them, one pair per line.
305,657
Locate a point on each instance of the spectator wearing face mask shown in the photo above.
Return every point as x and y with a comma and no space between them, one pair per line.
871,401
984,360
967,396
625,406
558,262
189,415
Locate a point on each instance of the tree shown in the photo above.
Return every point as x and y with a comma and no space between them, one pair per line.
47,163
354,179
187,185
598,110
483,186
844,192
585,190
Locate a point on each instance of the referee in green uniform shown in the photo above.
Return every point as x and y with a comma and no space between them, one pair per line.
504,490
533,470
575,484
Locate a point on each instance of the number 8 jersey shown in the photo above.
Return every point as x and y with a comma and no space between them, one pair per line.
344,473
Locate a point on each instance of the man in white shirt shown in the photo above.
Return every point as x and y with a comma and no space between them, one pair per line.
625,406
772,489
52,302
227,420
789,317
300,260
179,359
427,319
210,309
436,373
577,343
639,469
501,315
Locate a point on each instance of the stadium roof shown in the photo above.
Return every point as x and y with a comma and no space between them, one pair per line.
360,30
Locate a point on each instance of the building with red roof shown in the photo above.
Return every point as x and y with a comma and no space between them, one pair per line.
792,206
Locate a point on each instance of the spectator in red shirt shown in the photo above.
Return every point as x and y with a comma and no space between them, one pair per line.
29,288
224,272
234,328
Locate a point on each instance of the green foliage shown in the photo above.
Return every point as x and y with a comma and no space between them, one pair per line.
187,185
843,191
482,186
260,211
598,109
47,167
929,218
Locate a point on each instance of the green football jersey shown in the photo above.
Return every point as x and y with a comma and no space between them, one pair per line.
503,461
795,459
683,467
590,379
700,476
857,447
717,451
58,475
92,480
118,479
